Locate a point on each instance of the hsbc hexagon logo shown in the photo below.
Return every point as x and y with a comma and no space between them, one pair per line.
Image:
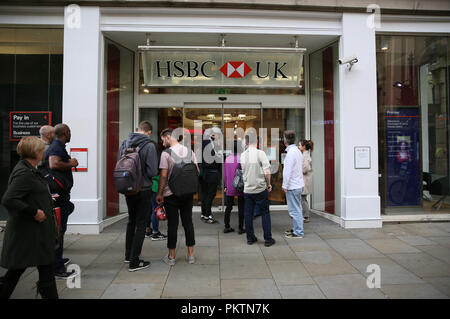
235,69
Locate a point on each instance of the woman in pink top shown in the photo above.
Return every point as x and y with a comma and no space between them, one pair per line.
230,167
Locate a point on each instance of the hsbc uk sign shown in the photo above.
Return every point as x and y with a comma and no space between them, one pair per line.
221,69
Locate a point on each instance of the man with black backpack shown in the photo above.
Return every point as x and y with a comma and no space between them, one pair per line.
137,179
177,184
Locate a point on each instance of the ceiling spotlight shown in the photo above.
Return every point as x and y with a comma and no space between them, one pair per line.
146,91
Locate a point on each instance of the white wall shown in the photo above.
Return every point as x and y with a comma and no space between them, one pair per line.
81,111
358,96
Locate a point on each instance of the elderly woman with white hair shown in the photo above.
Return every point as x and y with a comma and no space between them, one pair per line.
210,171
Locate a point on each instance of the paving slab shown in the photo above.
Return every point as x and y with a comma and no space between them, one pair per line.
425,229
322,263
76,293
371,233
245,258
99,276
186,280
205,255
415,240
412,291
441,240
422,264
391,246
279,253
347,286
156,273
244,270
390,271
310,243
440,283
249,289
353,248
437,251
128,291
301,292
287,272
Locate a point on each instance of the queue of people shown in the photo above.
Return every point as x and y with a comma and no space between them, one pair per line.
167,180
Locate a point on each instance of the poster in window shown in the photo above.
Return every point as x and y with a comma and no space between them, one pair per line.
403,179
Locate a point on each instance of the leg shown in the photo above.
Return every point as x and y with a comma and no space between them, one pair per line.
262,202
305,206
46,285
204,185
212,183
293,198
241,203
131,225
229,202
142,209
186,221
171,207
9,282
248,214
64,204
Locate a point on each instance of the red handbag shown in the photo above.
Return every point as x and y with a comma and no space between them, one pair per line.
160,213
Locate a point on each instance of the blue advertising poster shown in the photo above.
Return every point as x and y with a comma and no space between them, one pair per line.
403,157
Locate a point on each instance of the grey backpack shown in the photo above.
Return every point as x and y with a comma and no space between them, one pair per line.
127,175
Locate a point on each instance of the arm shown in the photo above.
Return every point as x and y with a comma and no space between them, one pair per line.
266,168
161,185
17,190
55,163
287,171
307,165
151,160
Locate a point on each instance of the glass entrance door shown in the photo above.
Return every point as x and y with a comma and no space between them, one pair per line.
234,118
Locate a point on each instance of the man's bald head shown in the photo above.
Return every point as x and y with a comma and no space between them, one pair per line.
62,132
47,133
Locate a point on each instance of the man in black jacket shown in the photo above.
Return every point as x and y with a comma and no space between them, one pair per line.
139,205
211,171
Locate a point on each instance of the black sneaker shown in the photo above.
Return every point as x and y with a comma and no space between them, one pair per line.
251,242
287,232
228,230
148,232
141,265
159,236
66,261
292,235
65,274
241,231
269,242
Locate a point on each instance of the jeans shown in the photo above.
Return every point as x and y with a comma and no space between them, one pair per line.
229,202
294,201
153,220
139,206
12,276
261,202
63,202
183,206
209,189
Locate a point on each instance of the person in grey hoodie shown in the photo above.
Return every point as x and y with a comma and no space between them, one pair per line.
139,205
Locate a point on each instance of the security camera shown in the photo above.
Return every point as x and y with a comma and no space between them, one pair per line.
350,60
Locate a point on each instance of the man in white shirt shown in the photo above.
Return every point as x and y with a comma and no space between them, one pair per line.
256,175
293,184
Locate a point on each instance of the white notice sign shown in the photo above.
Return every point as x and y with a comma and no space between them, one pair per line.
81,154
362,157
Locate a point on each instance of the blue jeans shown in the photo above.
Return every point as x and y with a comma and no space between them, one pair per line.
153,220
294,201
261,202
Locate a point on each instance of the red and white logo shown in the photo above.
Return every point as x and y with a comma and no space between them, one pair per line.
235,69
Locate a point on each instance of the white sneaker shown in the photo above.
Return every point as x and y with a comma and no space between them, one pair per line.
190,259
167,260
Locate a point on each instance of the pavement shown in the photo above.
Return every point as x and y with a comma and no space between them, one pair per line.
329,262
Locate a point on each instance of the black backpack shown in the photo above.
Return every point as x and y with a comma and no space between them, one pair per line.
183,180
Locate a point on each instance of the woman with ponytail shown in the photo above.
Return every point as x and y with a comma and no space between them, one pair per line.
306,146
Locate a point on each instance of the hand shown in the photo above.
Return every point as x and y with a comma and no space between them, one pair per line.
40,216
269,188
73,162
224,189
55,196
159,199
285,190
